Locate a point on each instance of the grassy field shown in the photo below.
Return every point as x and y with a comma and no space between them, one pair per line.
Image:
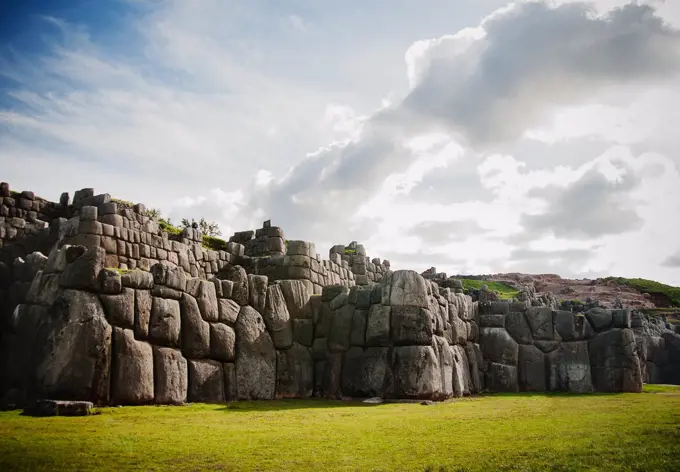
498,432
504,291
672,294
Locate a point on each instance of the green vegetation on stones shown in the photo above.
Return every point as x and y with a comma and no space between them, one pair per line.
651,287
509,432
120,271
214,243
350,252
167,226
122,202
504,291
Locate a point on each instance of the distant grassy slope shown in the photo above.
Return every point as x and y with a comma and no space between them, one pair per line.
656,289
508,432
504,290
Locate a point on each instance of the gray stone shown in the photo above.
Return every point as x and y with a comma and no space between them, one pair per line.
569,368
565,325
206,381
364,371
461,382
207,301
614,363
531,369
60,408
446,364
295,372
230,390
257,291
119,309
358,334
408,288
111,282
170,276
142,313
412,325
195,331
222,342
164,322
303,332
138,279
498,346
340,329
501,378
171,380
540,321
492,321
255,357
228,310
83,272
599,318
75,353
476,364
131,370
240,288
621,318
277,318
43,289
416,373
378,326
297,299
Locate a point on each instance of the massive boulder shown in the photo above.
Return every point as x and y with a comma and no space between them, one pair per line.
206,381
416,373
295,372
498,346
569,368
364,372
170,376
277,318
614,362
75,350
407,288
531,369
131,370
255,357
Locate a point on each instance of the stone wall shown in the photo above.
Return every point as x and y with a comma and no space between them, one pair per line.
364,269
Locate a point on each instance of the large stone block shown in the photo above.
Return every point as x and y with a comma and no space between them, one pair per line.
257,291
475,364
195,331
408,288
165,322
569,368
501,378
540,321
170,276
207,301
120,309
599,318
416,373
83,267
295,372
277,318
358,335
222,342
498,346
297,298
74,351
131,370
412,325
240,289
364,372
255,357
228,310
206,381
340,329
142,313
378,326
614,363
531,369
171,380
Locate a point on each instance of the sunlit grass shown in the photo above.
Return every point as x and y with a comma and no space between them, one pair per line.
496,432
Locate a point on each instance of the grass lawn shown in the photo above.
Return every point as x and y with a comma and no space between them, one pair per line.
505,291
496,432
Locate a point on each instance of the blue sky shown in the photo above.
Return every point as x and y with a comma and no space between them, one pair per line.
477,136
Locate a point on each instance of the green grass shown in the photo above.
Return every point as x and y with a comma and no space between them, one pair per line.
504,291
215,243
168,228
617,432
651,287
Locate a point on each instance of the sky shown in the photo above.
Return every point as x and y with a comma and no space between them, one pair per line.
475,136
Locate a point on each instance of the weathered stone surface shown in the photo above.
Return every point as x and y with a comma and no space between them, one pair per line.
412,325
75,354
297,298
230,390
255,357
207,301
621,318
222,342
408,288
165,322
171,381
228,310
82,271
569,368
501,378
364,371
295,372
416,372
257,291
277,318
131,370
446,364
43,289
142,313
547,346
303,332
599,318
492,321
498,346
111,281
614,363
531,369
240,292
138,279
475,364
195,331
60,408
206,381
378,326
358,334
540,321
340,329
170,276
120,309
